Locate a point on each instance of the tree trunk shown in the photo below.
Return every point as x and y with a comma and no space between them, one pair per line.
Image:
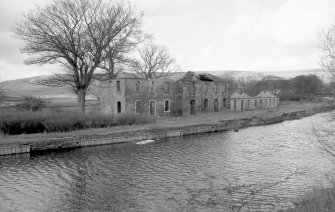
81,100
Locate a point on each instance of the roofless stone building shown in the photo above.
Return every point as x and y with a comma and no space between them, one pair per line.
180,94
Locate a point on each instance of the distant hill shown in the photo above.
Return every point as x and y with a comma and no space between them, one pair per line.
27,86
260,74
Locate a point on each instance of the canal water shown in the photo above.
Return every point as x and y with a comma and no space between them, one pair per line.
158,176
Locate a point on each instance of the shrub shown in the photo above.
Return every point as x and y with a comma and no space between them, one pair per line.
64,122
101,121
22,122
30,103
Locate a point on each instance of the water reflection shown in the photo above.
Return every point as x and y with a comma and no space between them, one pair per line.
130,177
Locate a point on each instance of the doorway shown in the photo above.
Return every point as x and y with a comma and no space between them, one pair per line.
118,107
152,108
192,107
242,106
216,103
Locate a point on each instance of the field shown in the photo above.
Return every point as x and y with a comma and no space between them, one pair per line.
52,104
56,98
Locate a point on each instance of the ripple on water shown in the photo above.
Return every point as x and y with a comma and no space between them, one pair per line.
130,177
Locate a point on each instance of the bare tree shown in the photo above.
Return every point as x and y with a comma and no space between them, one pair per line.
90,39
153,62
31,104
327,38
324,135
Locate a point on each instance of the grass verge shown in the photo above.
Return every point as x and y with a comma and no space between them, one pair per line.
16,123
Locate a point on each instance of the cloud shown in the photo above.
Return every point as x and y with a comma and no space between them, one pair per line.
10,46
299,21
211,35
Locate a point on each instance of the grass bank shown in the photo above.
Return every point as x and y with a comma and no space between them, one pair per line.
16,123
162,128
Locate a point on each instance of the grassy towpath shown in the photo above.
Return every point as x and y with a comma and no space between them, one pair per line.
175,122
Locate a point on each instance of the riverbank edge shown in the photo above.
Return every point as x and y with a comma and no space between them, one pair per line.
153,133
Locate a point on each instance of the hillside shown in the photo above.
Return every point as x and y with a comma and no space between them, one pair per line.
28,86
55,98
260,74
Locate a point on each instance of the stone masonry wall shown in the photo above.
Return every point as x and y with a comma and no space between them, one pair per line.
208,91
159,95
109,96
179,94
267,102
246,104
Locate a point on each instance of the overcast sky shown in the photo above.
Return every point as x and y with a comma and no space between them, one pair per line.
205,35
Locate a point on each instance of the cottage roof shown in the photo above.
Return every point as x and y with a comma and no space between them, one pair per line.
265,94
240,96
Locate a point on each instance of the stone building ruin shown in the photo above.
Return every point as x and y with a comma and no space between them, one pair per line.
180,94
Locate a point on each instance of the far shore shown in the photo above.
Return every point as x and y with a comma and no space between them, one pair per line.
265,116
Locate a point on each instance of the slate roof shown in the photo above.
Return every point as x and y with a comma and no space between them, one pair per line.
240,96
131,75
176,76
265,94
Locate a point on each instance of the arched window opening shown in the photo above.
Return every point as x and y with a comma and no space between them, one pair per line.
206,103
166,87
138,106
118,86
152,87
138,86
167,105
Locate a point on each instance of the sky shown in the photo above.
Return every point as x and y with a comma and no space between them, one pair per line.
204,35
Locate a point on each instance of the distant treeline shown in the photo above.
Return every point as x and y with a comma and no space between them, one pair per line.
301,87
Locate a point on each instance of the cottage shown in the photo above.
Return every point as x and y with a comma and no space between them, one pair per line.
240,102
180,94
266,100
